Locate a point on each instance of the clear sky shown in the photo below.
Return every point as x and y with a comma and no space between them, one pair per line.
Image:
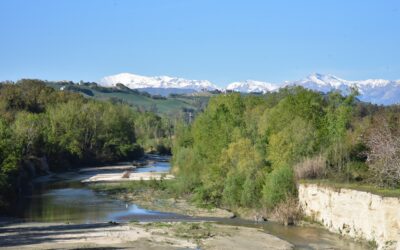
218,40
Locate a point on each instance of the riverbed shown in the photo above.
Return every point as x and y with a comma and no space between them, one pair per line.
64,205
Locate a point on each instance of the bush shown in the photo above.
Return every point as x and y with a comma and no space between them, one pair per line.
288,211
252,190
130,151
233,189
311,168
279,185
186,170
357,171
337,156
384,154
163,149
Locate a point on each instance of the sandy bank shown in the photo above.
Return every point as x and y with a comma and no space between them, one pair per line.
136,236
180,206
115,177
121,167
244,238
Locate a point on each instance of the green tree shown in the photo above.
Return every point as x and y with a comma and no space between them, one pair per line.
9,164
279,185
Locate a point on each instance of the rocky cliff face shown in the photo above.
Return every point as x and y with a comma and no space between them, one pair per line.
354,213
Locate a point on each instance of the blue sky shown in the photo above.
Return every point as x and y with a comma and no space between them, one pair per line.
221,41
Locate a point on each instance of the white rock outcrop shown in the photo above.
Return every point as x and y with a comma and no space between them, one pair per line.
354,213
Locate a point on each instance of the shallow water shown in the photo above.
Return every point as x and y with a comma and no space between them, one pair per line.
156,167
71,201
304,237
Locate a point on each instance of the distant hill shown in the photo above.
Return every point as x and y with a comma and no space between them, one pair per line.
158,103
167,91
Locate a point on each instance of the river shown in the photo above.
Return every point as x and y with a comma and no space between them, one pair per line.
64,198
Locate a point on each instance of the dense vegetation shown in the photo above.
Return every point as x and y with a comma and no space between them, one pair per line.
44,129
248,151
174,105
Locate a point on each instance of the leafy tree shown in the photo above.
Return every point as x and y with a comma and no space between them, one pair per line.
279,185
28,129
9,164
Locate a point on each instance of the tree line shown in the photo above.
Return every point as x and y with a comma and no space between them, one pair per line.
67,130
249,151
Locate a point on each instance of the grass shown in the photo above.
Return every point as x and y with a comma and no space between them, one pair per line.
185,230
385,192
157,224
136,187
195,231
163,106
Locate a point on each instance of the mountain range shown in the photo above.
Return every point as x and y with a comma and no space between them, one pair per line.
165,82
378,91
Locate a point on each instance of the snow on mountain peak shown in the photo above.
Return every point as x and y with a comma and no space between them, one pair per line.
322,82
137,82
251,86
336,82
377,91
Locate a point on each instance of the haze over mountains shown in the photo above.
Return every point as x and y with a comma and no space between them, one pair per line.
377,91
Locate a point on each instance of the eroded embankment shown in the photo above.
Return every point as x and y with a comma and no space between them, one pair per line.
354,213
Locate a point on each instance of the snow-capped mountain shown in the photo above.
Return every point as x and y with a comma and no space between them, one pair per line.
251,86
326,83
164,82
377,91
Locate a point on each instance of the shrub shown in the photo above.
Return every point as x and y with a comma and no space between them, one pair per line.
186,170
233,189
337,156
384,154
288,211
357,171
279,185
130,151
311,168
163,149
252,190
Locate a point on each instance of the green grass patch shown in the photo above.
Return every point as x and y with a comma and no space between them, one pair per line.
161,106
194,231
385,192
161,188
158,225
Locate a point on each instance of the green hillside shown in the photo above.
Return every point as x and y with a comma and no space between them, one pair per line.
142,100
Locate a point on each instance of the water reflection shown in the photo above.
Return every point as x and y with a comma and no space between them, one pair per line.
155,167
72,201
71,205
311,237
